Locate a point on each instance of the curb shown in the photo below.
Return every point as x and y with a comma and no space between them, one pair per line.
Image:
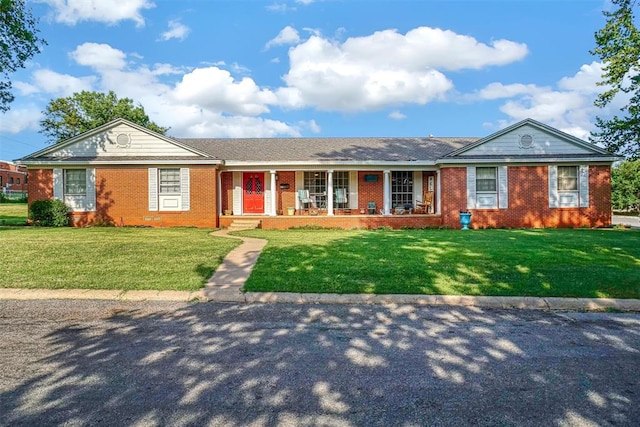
234,296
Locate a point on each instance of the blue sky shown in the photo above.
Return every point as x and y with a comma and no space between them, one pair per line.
214,68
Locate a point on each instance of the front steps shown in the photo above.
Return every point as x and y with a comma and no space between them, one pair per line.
244,224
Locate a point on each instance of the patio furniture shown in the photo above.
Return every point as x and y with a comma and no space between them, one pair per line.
341,195
305,199
424,205
371,208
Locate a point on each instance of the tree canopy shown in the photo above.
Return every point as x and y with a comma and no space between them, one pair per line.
625,186
618,47
67,117
19,42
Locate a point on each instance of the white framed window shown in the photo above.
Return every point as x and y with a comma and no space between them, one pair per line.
401,188
568,186
75,182
169,189
487,187
169,181
316,183
76,188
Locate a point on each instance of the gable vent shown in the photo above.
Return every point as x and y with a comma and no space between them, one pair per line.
123,140
526,141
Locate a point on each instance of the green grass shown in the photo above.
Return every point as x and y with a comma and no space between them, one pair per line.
109,258
13,214
549,262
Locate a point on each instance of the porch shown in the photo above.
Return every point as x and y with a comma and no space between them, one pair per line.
344,221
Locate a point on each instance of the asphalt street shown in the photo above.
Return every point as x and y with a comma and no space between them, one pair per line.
77,363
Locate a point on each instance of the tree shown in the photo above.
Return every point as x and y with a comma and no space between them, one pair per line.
19,42
67,117
625,186
618,46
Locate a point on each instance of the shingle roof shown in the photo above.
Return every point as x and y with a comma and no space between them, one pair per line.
327,149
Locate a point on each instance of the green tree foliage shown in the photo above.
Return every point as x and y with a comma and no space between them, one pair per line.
625,186
19,42
67,117
618,47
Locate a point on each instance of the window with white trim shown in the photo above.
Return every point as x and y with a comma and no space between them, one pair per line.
169,189
75,182
487,187
169,181
316,183
567,178
401,188
76,187
568,186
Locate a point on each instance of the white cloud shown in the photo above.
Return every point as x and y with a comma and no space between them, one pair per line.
568,107
21,119
176,30
99,56
498,90
385,68
280,7
305,2
71,12
61,84
216,90
397,115
288,35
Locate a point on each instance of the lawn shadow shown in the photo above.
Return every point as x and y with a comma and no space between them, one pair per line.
547,262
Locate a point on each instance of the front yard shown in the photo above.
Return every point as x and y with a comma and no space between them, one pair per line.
547,262
109,258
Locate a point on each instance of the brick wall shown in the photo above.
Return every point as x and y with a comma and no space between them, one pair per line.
528,201
121,198
13,177
370,191
343,221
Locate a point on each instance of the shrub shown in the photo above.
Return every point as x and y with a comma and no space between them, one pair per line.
49,213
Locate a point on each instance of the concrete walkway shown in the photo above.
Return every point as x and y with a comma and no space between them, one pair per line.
226,286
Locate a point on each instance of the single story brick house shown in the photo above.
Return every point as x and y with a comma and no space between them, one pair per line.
526,175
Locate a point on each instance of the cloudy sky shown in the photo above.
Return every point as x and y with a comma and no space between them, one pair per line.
223,68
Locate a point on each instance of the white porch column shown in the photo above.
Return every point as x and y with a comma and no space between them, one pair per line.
274,194
386,198
219,191
330,192
437,196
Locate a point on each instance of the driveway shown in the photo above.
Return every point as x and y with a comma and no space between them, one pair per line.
157,363
633,221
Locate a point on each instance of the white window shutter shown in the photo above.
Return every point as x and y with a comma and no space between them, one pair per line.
503,188
153,189
90,205
353,189
57,184
471,187
185,189
553,186
583,177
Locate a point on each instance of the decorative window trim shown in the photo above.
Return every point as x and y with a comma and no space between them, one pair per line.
169,201
77,201
571,198
486,199
526,141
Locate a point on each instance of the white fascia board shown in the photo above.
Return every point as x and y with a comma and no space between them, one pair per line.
323,163
127,163
604,160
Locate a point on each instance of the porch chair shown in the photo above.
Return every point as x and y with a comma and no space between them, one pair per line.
341,195
305,199
424,205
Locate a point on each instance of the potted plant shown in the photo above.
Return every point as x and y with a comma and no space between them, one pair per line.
465,219
291,211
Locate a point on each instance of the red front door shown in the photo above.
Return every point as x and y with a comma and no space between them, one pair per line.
253,199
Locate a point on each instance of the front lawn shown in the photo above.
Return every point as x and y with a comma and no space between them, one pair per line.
109,258
548,262
13,214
